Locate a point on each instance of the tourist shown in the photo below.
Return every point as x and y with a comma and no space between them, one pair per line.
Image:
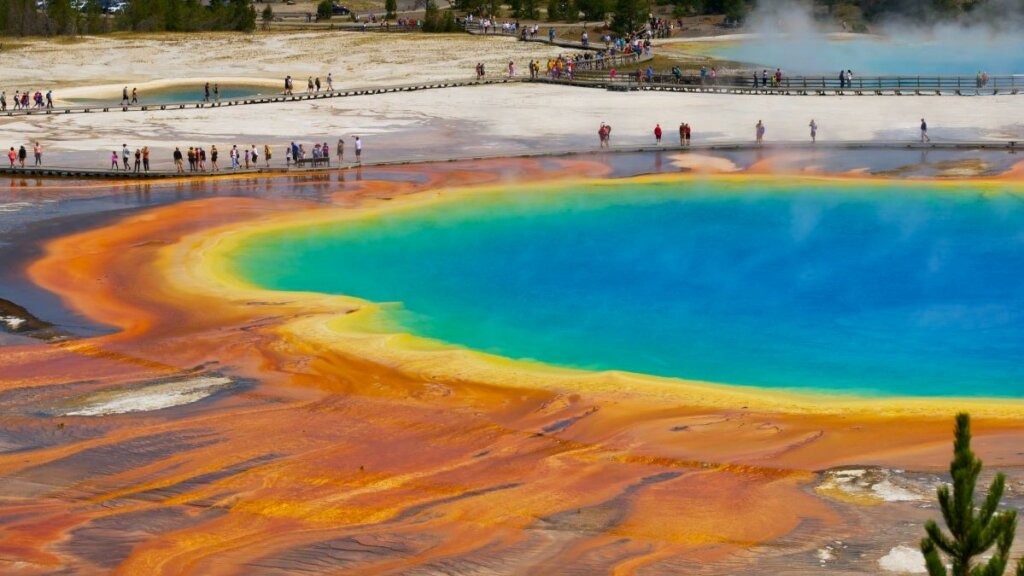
22,155
138,159
37,151
266,147
287,85
849,78
191,155
145,158
3,100
24,99
49,99
326,151
657,134
764,78
359,150
245,155
17,99
125,156
295,152
755,80
255,157
202,159
687,127
234,157
206,92
177,160
38,97
842,79
287,156
213,158
511,69
309,85
759,131
317,83
135,96
12,156
216,93
682,133
113,160
814,130
330,82
924,131
341,151
124,96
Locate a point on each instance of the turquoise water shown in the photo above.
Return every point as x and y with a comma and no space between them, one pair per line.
885,289
880,57
183,94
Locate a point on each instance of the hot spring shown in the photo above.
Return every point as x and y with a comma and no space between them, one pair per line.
939,54
831,286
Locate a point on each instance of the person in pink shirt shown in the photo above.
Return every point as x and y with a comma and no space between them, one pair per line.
12,156
113,160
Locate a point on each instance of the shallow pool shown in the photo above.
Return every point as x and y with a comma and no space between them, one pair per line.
909,289
876,56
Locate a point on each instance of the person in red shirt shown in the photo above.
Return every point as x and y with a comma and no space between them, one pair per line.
657,133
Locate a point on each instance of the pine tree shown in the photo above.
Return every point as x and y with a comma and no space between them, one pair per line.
391,7
972,530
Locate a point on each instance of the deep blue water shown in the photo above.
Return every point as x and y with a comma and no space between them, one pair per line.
873,289
939,55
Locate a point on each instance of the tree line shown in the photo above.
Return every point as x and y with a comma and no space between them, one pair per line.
65,17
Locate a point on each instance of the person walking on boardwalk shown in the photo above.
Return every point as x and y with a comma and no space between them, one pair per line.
682,133
12,156
113,159
213,159
206,92
317,83
124,96
814,130
37,151
924,131
191,157
138,160
125,155
3,100
759,132
216,93
657,134
49,99
177,161
22,155
201,153
135,95
341,151
686,127
266,154
359,150
145,158
842,79
309,85
234,157
255,156
330,82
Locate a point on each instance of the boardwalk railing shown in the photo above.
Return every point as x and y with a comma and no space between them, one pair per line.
256,99
964,85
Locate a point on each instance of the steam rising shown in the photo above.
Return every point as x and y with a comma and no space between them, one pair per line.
789,36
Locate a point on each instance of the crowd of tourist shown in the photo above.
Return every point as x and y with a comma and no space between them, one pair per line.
199,159
27,100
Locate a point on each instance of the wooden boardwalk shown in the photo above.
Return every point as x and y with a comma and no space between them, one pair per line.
804,86
260,99
1006,146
